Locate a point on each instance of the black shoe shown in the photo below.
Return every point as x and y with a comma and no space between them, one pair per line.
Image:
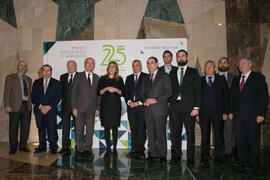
240,164
24,149
175,160
64,150
12,151
251,167
204,162
140,155
53,151
39,150
163,160
190,162
78,155
89,154
131,154
219,160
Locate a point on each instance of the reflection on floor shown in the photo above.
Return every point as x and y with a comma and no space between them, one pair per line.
46,166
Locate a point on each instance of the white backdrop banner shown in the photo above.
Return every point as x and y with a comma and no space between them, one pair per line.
123,52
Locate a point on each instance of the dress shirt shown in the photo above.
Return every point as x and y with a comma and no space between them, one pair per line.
167,70
246,76
86,75
224,73
24,98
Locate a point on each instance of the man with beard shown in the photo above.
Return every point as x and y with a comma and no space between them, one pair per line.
185,103
167,58
223,68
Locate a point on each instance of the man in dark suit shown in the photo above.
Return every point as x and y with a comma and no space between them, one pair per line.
156,90
223,68
184,105
167,58
66,81
17,103
249,100
213,111
46,95
135,109
85,106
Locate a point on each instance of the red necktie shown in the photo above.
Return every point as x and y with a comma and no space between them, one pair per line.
242,83
152,78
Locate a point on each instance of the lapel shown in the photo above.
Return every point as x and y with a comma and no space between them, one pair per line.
132,81
49,85
17,79
157,77
248,81
94,79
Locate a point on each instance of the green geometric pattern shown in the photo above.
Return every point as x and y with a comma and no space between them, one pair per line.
166,10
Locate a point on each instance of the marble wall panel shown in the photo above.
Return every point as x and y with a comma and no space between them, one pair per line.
118,19
7,13
154,28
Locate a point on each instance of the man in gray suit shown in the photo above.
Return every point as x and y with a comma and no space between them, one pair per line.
18,105
223,68
155,93
85,106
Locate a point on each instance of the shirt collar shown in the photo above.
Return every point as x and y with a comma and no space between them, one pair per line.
246,75
138,74
185,68
86,73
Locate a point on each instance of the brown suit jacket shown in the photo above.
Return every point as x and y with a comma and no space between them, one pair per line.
84,98
13,92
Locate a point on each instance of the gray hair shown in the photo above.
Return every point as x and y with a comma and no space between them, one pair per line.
211,61
72,61
247,58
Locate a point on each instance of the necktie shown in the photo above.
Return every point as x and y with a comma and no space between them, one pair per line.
152,78
181,76
210,83
89,80
223,75
45,86
25,89
136,81
242,83
70,79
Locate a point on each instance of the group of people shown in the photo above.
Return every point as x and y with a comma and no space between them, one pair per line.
218,99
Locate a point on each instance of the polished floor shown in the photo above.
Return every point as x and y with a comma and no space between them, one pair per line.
65,166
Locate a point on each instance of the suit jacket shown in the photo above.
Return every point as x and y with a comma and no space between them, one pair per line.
13,92
66,92
84,98
252,100
230,79
52,97
130,90
174,68
221,92
190,88
160,89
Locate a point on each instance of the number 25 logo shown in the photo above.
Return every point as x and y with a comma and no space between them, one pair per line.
110,53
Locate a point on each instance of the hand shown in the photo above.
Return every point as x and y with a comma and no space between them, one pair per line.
260,119
8,109
231,116
151,101
225,117
136,104
197,119
131,104
75,112
97,113
111,89
194,112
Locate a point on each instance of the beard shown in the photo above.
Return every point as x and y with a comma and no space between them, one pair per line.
182,63
223,68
